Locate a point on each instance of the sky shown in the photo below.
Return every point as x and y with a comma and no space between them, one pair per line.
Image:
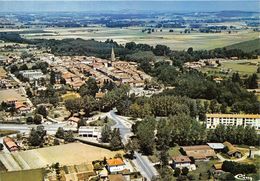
136,5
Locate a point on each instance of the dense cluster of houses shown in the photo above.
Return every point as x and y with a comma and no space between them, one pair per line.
75,70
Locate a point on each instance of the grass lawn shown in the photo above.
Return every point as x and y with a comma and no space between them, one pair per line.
28,175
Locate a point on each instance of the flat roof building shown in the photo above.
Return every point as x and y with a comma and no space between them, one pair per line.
90,131
32,74
213,120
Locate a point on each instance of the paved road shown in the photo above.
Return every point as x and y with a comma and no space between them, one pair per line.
144,165
24,128
123,125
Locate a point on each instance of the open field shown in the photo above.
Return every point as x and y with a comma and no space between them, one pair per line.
240,66
68,154
175,40
247,46
28,175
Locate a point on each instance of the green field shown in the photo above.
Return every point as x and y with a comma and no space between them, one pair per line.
247,46
23,175
240,66
175,40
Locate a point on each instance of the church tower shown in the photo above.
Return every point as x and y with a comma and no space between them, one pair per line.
113,58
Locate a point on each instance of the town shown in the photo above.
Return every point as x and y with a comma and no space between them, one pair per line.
76,109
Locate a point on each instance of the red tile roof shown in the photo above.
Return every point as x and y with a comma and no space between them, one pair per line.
115,162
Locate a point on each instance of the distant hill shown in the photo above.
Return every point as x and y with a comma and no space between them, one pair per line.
246,46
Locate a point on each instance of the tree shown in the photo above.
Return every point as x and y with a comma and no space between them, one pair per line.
13,69
115,141
164,157
56,142
161,50
42,111
251,81
68,136
52,77
60,133
89,104
106,134
145,135
258,69
57,170
36,136
131,146
63,81
23,67
190,50
166,173
89,88
29,93
213,106
177,172
29,120
37,119
185,171
236,78
73,105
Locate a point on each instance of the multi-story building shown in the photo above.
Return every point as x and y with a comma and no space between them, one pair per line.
32,74
90,131
213,120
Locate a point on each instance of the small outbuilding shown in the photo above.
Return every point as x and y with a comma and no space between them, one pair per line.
216,146
231,150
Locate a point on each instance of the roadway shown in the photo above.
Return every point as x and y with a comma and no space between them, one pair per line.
144,165
24,128
123,125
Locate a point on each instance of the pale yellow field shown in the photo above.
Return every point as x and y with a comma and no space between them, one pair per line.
68,154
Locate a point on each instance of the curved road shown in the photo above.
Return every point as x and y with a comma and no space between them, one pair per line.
142,162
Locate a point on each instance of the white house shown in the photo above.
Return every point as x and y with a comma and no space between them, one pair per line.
90,131
115,165
32,74
181,161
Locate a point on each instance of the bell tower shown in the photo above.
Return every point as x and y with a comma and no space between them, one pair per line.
113,58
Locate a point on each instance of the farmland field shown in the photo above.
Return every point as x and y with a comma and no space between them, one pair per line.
247,46
240,66
174,40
